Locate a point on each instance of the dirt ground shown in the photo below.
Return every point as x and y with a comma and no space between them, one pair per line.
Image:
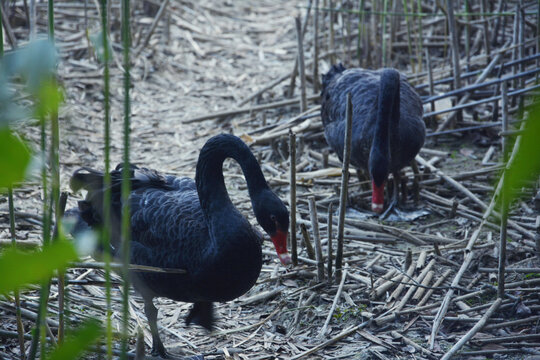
214,55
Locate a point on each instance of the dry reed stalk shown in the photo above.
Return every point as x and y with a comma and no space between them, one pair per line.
475,329
344,187
316,238
301,66
292,195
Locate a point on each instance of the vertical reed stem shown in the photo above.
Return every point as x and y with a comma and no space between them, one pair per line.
316,238
20,328
301,67
504,200
331,35
329,235
106,231
292,202
316,84
126,186
383,32
344,187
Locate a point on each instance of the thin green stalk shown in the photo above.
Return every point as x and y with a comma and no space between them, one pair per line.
51,19
385,11
360,31
55,175
39,331
125,177
106,231
20,328
1,31
420,46
406,8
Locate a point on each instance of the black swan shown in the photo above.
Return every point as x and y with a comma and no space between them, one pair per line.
387,126
193,225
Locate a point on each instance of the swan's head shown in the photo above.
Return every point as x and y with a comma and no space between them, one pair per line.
378,169
273,217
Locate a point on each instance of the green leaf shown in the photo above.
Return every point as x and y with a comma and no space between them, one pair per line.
97,42
14,159
526,165
74,345
22,268
49,97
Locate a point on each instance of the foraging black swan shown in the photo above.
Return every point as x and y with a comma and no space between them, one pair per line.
387,126
192,225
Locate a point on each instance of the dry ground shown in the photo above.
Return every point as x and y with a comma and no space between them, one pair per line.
218,53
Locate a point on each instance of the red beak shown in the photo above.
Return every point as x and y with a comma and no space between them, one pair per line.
377,198
280,243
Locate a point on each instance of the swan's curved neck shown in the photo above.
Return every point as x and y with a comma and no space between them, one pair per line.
213,195
386,124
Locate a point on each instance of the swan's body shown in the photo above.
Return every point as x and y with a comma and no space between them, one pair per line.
191,225
387,126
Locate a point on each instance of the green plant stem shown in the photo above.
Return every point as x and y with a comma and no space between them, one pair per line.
409,47
1,31
385,11
125,178
106,231
51,19
39,332
20,328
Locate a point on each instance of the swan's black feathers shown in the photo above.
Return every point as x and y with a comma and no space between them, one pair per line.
190,225
364,88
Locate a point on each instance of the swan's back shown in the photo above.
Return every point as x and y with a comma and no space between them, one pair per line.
364,87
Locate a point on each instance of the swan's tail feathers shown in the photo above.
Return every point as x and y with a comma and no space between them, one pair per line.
334,70
202,313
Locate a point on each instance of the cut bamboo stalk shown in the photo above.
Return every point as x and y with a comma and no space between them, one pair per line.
292,198
301,66
20,327
421,290
466,97
330,236
504,203
334,304
405,280
148,35
316,238
316,84
307,242
344,186
475,329
294,72
454,43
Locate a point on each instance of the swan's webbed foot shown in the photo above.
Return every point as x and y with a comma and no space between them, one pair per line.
159,350
202,313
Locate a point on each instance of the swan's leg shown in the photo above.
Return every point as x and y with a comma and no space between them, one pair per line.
416,185
202,313
151,314
395,196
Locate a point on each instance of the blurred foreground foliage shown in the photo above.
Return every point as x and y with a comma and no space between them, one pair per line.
29,90
524,169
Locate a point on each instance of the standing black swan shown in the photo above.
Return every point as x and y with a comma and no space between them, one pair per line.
387,126
192,225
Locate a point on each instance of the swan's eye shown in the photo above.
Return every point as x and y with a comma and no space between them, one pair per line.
273,217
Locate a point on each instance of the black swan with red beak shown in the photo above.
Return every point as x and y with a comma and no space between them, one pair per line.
387,126
179,223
